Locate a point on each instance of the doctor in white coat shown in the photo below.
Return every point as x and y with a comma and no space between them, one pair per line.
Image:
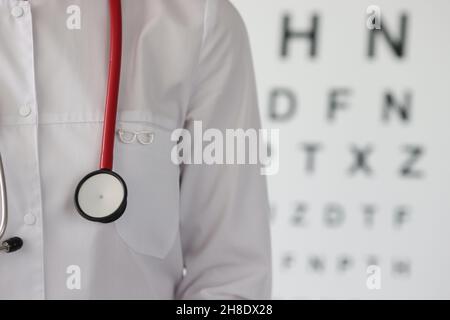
189,231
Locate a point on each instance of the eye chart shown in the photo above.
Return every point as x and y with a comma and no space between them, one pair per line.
361,94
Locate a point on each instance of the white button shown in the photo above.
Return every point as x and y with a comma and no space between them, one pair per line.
25,111
17,12
29,219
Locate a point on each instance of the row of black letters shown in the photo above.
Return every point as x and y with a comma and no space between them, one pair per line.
335,215
320,264
396,41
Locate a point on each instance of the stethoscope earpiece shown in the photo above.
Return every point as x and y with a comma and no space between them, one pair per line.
101,196
11,245
15,243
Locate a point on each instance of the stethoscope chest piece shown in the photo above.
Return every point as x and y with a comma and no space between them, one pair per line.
101,196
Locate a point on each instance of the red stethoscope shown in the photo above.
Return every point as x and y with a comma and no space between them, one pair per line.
101,196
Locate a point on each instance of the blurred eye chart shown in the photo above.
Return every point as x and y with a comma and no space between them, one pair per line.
360,91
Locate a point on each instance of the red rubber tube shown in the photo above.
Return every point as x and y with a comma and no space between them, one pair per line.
112,94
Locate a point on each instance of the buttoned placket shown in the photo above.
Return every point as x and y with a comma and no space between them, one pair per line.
27,111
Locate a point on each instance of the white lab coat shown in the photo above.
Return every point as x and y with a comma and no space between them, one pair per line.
183,60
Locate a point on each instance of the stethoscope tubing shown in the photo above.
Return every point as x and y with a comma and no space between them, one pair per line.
109,132
105,183
3,201
112,96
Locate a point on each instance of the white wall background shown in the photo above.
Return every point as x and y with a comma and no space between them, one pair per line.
408,235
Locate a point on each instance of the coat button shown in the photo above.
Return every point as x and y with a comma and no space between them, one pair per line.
29,219
17,12
25,111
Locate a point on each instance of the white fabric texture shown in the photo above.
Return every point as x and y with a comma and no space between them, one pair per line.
183,60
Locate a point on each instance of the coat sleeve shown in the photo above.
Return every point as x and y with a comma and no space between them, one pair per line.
224,208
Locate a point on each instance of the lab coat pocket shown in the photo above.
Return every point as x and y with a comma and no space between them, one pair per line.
142,157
